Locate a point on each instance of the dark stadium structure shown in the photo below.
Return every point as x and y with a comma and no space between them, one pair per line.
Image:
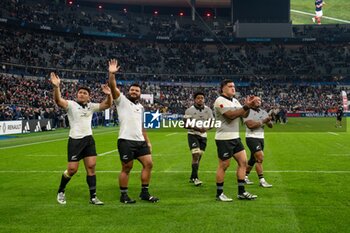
169,3
170,54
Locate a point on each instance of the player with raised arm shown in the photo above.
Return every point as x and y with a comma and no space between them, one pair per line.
81,144
133,142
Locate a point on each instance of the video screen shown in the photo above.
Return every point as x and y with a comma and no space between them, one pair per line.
333,11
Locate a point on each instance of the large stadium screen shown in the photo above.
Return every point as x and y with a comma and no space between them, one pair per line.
333,12
261,11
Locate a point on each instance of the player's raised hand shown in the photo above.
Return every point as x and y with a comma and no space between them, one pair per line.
55,80
257,102
250,101
113,66
106,89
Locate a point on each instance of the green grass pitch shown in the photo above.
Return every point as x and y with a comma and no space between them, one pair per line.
338,9
308,168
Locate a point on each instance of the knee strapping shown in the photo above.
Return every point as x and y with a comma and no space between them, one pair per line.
196,151
66,174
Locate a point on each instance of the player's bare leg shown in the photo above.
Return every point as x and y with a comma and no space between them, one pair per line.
196,157
220,177
147,165
241,159
123,182
259,157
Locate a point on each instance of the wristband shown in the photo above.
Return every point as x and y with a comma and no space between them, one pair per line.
245,108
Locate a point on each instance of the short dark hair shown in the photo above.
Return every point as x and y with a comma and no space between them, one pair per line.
135,85
84,88
197,93
224,83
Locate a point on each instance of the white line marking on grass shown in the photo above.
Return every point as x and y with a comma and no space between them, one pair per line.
333,133
101,154
170,134
167,171
43,155
33,143
339,154
165,154
41,142
286,171
153,155
108,152
325,17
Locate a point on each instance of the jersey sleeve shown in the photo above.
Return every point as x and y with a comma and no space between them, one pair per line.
118,100
221,105
264,114
95,107
188,113
236,104
69,106
249,117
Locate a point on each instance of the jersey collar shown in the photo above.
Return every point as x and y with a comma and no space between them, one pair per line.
82,105
230,99
256,109
198,107
132,101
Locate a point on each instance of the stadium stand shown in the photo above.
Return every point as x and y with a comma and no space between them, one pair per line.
45,50
170,99
72,41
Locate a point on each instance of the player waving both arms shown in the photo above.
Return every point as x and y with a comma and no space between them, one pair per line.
81,144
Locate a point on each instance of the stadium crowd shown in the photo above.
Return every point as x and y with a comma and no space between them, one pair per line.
284,74
31,98
25,51
79,18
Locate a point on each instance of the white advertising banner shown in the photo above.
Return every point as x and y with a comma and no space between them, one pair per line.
107,114
10,127
148,98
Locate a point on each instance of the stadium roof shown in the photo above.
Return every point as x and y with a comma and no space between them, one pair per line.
175,3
